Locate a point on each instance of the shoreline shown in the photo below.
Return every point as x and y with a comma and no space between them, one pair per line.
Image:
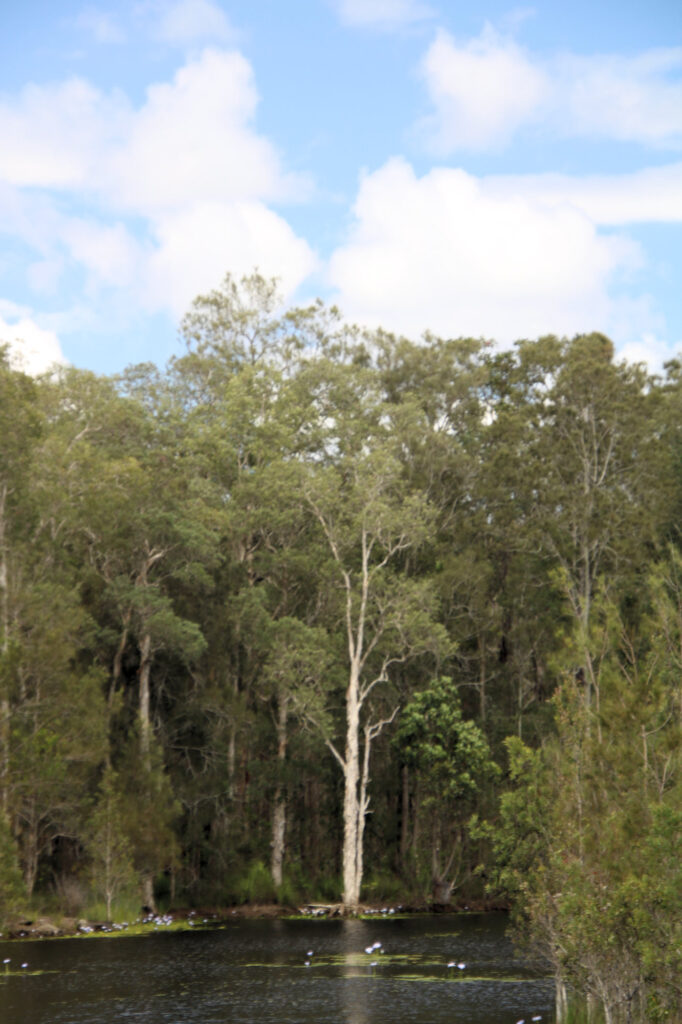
45,926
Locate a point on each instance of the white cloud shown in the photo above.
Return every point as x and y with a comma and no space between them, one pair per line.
626,98
189,148
31,348
486,89
101,25
187,21
58,135
653,194
446,252
482,91
193,140
109,252
384,14
196,245
650,350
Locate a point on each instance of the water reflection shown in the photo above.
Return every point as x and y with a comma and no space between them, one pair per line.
354,996
255,971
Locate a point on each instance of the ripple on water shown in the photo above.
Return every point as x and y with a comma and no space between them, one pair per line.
254,971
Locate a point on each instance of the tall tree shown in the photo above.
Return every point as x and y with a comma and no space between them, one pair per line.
369,520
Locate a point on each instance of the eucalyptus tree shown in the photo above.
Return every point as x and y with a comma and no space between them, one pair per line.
54,723
121,498
600,453
20,428
235,385
369,518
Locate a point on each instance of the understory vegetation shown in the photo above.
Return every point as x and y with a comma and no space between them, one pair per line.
317,614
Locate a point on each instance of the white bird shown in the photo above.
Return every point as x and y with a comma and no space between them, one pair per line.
310,952
369,950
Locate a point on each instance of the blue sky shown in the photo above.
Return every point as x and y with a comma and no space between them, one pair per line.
470,169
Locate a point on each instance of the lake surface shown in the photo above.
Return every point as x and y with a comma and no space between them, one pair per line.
256,971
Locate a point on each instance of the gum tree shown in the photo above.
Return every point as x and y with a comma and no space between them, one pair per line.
381,617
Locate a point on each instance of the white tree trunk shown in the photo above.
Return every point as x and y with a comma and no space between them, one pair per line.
145,700
279,810
352,868
561,1001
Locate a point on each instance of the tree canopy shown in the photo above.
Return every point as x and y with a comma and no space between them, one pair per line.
323,613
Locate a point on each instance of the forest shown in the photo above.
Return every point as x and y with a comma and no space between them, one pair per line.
324,614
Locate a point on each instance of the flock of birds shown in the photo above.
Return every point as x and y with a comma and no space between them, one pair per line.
166,920
157,920
377,947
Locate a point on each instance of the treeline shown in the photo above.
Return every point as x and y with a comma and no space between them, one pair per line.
319,612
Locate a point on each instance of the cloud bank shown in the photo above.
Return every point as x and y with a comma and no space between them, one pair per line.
485,90
462,255
187,162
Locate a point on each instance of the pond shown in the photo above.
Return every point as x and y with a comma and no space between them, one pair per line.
297,971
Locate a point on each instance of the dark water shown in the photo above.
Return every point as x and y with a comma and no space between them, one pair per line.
255,971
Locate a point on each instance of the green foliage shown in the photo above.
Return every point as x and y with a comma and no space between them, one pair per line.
449,752
226,579
12,891
588,839
144,810
112,870
255,885
520,834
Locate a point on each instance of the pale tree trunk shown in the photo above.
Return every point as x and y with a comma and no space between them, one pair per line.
443,877
145,746
361,641
148,891
560,1001
154,555
279,810
356,783
352,878
363,803
145,699
144,708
